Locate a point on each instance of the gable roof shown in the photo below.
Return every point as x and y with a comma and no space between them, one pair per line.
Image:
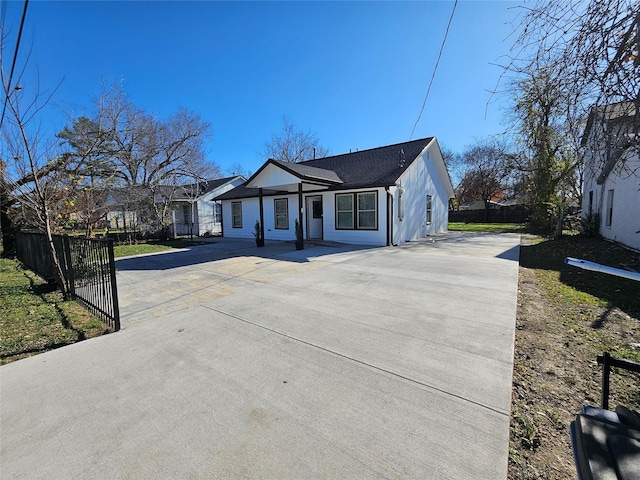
189,191
137,193
301,171
616,114
375,167
620,126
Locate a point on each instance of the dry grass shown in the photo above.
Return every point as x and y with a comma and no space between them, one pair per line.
566,317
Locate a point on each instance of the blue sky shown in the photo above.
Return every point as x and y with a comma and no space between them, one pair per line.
353,73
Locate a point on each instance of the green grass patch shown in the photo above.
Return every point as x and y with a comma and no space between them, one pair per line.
574,286
585,302
35,317
151,247
487,227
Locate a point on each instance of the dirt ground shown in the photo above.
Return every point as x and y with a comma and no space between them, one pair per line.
555,372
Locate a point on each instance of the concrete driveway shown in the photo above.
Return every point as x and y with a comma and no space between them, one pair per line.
238,362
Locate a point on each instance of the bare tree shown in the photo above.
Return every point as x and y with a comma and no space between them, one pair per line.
293,145
549,127
486,167
593,49
238,169
33,178
130,148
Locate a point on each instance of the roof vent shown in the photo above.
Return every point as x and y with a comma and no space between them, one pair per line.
401,158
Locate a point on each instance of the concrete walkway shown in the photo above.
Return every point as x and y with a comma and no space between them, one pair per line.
238,362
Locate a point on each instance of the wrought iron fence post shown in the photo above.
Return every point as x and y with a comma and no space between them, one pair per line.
114,288
606,369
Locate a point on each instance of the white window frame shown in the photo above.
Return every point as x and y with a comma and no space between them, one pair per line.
429,209
609,219
217,212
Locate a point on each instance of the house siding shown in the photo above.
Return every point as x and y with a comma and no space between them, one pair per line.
205,209
270,230
353,236
625,221
424,175
422,178
251,213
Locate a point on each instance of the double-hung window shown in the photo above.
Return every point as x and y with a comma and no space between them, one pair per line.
344,211
367,210
236,214
357,211
429,209
281,209
609,207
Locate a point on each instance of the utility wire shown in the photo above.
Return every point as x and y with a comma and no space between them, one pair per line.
455,4
13,63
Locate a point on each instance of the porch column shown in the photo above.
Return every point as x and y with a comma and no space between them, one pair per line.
300,209
261,215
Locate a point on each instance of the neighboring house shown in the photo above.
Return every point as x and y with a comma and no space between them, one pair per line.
192,208
478,205
124,207
611,187
382,196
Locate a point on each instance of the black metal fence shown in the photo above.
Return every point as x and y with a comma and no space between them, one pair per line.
88,267
607,362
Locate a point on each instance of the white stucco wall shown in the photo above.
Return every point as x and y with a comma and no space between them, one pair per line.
625,221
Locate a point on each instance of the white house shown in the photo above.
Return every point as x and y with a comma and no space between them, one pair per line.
195,211
381,196
611,187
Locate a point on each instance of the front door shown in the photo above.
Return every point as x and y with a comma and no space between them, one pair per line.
314,218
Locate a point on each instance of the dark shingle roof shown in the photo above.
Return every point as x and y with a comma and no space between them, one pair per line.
137,193
204,186
376,167
309,172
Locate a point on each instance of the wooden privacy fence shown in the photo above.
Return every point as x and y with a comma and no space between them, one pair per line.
504,215
88,267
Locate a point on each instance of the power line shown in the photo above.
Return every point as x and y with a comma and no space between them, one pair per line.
13,63
434,69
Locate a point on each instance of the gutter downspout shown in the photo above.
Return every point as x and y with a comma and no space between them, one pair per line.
596,267
390,218
300,209
261,214
221,220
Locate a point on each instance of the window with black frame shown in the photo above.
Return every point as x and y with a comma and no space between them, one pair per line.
236,214
281,210
357,211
